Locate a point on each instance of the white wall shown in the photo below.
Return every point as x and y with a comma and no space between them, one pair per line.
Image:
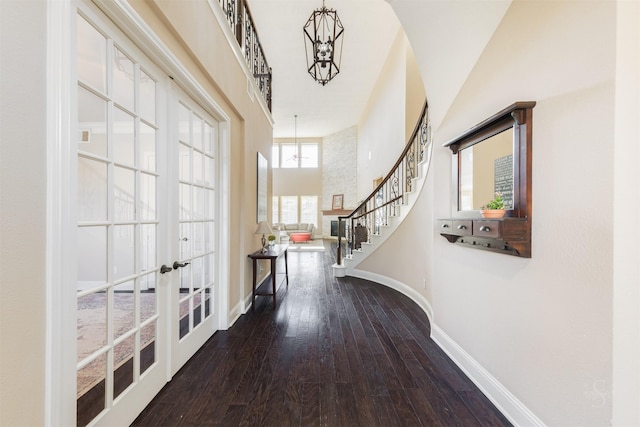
540,326
382,125
447,37
626,196
22,212
388,121
415,95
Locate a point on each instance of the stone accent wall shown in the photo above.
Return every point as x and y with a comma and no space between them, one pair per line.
339,172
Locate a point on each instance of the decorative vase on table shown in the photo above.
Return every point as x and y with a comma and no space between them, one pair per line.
492,213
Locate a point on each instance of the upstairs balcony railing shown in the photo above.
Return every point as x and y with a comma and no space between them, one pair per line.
385,200
239,18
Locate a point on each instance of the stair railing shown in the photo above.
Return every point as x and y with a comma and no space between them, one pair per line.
239,18
374,212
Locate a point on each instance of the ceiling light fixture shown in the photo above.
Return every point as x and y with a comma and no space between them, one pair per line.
296,155
323,44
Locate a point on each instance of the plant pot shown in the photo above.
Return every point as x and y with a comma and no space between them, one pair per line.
492,213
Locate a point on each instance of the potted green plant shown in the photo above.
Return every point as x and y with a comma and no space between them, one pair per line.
272,239
494,208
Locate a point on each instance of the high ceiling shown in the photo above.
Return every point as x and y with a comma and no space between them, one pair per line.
370,27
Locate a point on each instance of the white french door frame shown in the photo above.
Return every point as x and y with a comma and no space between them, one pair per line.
129,22
60,334
60,390
183,348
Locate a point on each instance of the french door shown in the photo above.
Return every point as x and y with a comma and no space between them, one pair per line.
146,225
194,294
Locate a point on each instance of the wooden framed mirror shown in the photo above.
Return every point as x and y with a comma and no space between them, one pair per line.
493,156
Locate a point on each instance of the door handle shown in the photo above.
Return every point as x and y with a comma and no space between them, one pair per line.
165,269
177,265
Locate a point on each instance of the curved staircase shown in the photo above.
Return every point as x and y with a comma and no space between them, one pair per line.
380,214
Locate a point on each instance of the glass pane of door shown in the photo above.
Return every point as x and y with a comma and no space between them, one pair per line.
117,174
197,146
196,149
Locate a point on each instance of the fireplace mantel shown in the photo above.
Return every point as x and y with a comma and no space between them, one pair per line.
337,212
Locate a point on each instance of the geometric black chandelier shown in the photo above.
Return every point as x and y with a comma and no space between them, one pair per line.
323,44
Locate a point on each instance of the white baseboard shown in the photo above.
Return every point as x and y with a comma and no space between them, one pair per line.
398,286
506,402
235,313
241,308
502,398
244,305
247,303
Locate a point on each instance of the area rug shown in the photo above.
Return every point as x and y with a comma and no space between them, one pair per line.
92,332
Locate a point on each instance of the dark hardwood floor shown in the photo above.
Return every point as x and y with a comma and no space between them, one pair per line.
335,352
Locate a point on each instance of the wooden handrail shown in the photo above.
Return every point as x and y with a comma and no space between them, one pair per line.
374,210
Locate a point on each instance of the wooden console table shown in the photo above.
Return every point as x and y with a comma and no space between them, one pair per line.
273,253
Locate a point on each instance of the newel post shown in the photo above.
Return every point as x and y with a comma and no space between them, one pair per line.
338,267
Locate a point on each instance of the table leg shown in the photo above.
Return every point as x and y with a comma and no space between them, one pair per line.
286,267
253,292
273,279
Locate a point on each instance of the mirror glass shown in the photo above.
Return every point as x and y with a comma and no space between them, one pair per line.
486,168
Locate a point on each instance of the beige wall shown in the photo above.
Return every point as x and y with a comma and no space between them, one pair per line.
298,182
190,29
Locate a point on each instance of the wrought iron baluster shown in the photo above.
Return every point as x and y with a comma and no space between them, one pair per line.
229,9
239,18
424,137
385,200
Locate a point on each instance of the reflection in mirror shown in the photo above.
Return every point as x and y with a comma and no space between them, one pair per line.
493,156
486,168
